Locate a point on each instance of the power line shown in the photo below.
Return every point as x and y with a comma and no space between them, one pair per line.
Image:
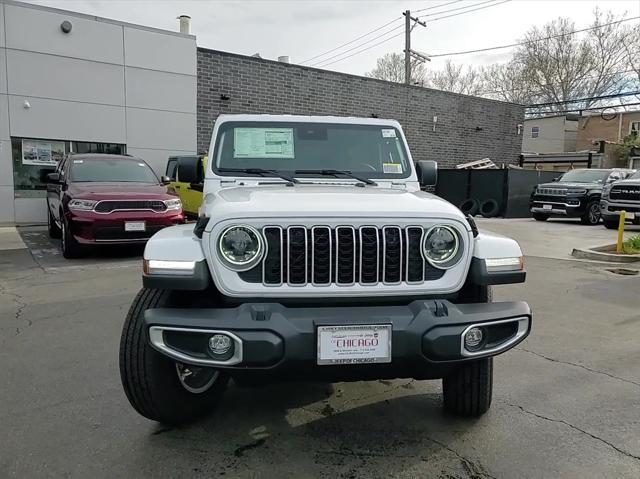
455,9
592,98
450,54
467,11
360,45
437,6
609,75
360,51
592,108
352,41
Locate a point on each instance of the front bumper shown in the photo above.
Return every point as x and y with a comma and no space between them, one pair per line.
273,340
570,206
610,210
92,228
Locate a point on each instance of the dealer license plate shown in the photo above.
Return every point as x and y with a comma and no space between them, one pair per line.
357,344
547,207
134,226
629,216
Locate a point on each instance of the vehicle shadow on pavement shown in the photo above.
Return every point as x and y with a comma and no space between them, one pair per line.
308,430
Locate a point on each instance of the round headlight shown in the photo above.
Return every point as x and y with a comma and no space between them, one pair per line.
240,247
441,246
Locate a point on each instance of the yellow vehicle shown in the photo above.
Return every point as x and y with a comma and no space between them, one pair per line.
187,178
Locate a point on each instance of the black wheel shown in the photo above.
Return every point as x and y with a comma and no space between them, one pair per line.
468,390
469,207
70,247
540,216
611,224
489,208
52,227
157,387
591,216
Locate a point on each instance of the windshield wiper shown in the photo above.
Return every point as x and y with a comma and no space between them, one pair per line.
261,172
337,173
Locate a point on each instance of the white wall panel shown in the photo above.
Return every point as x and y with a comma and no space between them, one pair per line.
160,51
157,159
57,119
28,28
161,130
49,76
3,70
4,117
6,164
160,90
30,210
6,200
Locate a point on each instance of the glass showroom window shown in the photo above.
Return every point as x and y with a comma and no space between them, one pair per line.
34,158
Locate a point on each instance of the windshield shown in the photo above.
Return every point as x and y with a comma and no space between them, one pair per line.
369,151
635,176
112,170
585,176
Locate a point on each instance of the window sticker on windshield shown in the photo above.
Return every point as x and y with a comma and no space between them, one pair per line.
140,164
263,143
394,168
388,133
77,161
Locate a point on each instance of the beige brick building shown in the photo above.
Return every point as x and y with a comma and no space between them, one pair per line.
592,129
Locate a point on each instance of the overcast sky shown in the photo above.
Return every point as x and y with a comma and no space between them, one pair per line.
303,29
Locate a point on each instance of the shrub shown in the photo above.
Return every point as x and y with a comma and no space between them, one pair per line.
632,245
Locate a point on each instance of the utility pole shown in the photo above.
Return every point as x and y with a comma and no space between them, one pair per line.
408,19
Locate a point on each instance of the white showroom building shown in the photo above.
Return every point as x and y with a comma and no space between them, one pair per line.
77,83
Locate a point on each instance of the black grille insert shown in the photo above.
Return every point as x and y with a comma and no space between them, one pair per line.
107,206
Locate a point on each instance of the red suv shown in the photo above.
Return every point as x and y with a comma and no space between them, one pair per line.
97,199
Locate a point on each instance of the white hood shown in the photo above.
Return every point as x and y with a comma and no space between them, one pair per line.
326,201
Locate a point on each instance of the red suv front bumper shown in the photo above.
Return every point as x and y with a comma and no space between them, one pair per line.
89,227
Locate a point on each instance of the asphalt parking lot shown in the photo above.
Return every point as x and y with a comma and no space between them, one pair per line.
565,403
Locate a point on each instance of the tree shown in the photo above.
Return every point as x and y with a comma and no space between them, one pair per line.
456,79
559,66
506,82
390,67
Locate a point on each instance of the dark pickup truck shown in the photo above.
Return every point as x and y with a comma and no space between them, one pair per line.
576,194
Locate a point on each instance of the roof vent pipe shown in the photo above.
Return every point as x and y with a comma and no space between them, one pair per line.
284,59
185,24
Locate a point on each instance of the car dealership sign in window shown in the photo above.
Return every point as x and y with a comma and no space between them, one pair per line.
42,153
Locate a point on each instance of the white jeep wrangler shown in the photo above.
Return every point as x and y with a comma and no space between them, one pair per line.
317,257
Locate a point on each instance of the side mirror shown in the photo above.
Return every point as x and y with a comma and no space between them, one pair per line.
165,180
427,171
189,169
557,178
197,186
53,178
44,173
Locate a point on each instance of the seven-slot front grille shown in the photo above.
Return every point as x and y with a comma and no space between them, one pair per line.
344,255
552,191
107,206
625,193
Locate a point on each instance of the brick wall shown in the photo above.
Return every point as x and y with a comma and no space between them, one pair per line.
468,128
594,127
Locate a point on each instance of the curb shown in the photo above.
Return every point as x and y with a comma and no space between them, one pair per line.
599,253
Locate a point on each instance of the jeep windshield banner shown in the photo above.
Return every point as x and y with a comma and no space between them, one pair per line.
263,143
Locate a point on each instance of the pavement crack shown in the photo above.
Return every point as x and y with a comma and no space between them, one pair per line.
575,428
581,366
475,470
18,300
239,451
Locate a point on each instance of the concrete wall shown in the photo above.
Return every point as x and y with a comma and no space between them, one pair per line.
467,129
556,134
105,81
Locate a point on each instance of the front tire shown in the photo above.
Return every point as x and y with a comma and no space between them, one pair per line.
468,390
154,384
70,247
591,217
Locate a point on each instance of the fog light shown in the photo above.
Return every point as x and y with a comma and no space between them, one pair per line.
473,339
220,344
